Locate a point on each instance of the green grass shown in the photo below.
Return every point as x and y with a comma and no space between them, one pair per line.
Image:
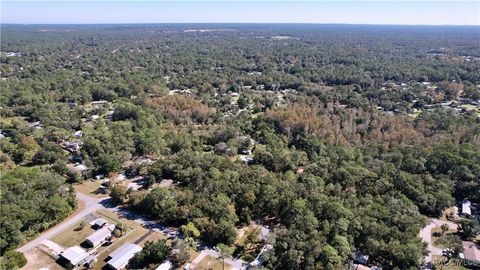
211,263
72,236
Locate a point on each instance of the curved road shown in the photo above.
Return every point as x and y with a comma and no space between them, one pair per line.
91,205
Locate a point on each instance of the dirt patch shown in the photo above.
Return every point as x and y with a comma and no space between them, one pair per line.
38,259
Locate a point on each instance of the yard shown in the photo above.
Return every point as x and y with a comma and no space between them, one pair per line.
90,188
135,234
437,233
73,235
210,262
439,263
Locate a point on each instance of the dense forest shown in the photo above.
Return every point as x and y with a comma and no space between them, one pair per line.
338,135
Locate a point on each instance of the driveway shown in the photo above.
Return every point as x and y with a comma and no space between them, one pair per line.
426,235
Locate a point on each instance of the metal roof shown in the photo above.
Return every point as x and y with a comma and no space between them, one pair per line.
100,235
121,256
74,255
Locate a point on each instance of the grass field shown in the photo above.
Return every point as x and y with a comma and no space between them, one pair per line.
73,236
90,188
211,263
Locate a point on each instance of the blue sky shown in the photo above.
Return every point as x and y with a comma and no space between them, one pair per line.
249,11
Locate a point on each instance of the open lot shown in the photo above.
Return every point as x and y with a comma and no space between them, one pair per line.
40,259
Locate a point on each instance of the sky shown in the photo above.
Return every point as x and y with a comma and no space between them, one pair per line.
247,11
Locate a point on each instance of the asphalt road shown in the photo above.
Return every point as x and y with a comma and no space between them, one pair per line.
91,205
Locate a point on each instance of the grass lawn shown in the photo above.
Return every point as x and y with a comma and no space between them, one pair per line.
90,188
72,236
211,263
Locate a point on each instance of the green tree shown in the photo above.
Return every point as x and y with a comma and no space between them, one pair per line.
225,252
13,260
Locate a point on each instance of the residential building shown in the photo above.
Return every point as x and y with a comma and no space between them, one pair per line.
121,256
73,257
100,236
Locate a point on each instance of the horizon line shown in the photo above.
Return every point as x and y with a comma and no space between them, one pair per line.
277,23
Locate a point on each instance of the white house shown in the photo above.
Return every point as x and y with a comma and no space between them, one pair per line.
74,256
100,236
121,256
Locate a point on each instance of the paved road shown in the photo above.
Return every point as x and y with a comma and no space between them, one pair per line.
426,235
91,205
94,204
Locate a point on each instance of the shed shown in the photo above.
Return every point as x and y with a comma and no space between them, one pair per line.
100,236
78,134
466,207
98,223
74,256
121,256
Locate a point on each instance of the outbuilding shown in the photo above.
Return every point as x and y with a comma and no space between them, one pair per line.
466,207
121,256
98,223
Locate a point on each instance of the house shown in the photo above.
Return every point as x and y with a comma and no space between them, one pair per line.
98,223
466,207
246,159
73,146
164,266
359,258
100,236
73,257
79,168
120,257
